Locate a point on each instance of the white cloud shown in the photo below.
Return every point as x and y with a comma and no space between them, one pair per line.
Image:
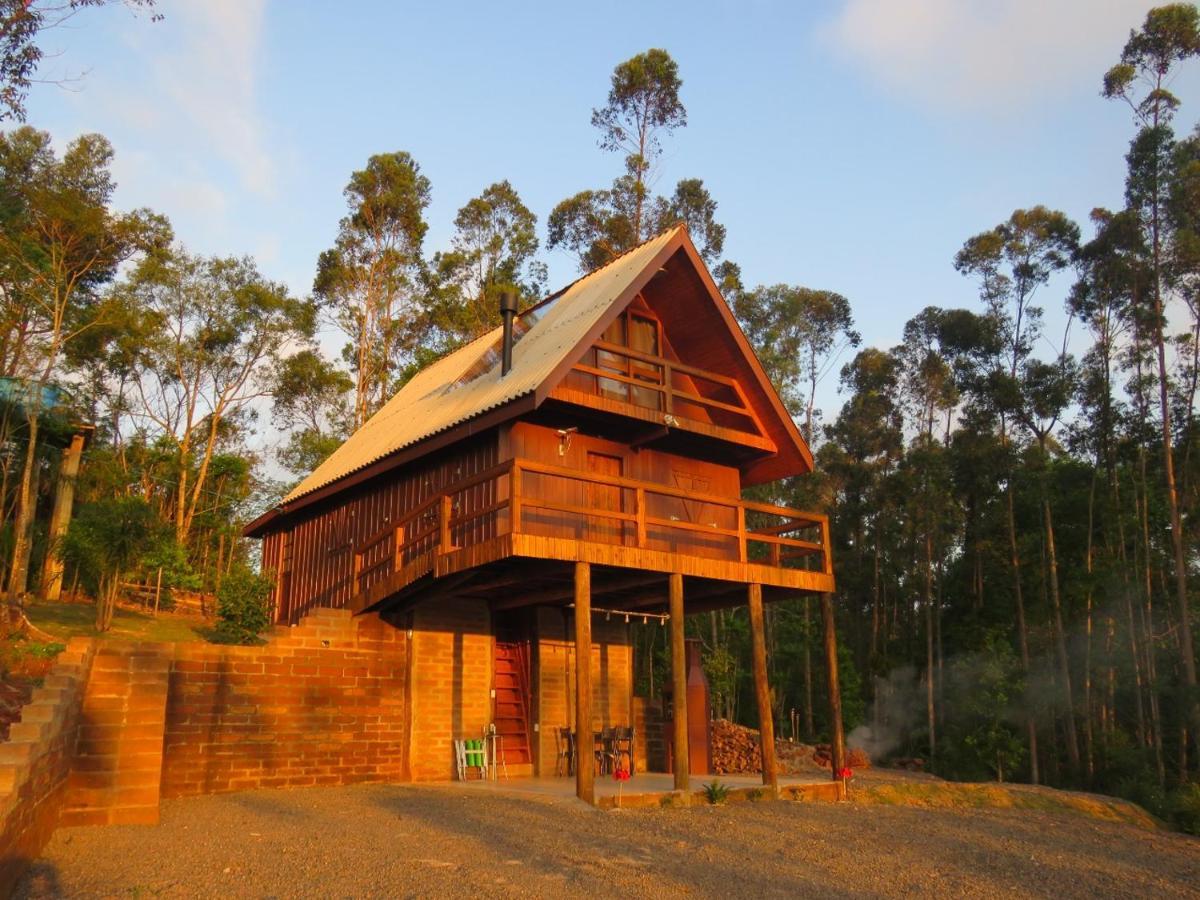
973,54
210,85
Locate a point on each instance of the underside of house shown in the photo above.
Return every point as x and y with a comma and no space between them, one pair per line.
514,521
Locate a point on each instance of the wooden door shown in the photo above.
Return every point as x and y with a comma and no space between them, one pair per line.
604,497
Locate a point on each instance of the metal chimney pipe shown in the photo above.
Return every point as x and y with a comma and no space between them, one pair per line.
508,309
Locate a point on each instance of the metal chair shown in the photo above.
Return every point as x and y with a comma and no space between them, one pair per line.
564,743
622,745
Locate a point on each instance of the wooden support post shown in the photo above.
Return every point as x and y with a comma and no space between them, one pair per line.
741,529
762,690
584,773
678,683
837,740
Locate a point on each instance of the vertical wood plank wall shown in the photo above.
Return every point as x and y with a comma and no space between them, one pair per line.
535,442
312,560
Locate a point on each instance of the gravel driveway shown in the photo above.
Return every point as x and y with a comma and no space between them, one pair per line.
403,841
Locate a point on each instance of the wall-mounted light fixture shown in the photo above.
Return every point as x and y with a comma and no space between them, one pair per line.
564,439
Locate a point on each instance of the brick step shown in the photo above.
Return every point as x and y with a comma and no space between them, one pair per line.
117,770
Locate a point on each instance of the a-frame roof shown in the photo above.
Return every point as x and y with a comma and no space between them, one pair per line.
466,386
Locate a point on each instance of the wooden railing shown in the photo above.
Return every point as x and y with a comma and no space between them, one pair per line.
753,532
658,378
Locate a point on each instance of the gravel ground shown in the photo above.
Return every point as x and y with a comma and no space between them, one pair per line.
401,841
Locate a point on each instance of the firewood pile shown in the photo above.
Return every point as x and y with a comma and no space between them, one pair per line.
856,757
909,763
735,751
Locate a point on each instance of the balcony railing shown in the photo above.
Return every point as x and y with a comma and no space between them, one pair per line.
525,497
667,389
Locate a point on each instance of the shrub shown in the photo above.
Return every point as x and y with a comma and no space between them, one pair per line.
1185,808
243,609
716,792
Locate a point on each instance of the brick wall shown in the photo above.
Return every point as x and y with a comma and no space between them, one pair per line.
321,703
451,682
555,678
36,760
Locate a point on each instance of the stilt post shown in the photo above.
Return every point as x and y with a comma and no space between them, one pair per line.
680,758
837,740
762,689
584,772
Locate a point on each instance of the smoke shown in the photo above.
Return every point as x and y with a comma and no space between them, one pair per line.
897,710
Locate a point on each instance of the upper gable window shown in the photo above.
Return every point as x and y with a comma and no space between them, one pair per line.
642,333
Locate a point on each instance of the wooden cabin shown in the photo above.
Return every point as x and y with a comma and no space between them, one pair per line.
522,497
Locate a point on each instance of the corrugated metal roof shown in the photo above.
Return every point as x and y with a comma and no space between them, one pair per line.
438,397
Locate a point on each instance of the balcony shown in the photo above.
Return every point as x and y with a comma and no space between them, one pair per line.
617,379
527,509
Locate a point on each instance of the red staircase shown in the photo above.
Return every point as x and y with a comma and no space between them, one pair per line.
511,712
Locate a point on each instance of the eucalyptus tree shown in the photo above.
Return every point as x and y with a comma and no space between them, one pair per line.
1169,37
494,248
63,242
370,281
1011,262
868,437
309,402
599,225
213,327
799,334
929,393
643,103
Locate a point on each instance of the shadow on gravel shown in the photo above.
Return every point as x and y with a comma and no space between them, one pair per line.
596,849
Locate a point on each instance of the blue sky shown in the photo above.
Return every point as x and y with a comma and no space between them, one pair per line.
850,145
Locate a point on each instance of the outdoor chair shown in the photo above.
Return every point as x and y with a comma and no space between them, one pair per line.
564,743
470,754
604,750
622,746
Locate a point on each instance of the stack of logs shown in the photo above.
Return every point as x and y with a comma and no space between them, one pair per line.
735,750
856,757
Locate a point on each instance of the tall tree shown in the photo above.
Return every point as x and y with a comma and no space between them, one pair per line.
214,325
58,233
309,402
643,103
493,249
1011,262
799,334
369,282
1151,57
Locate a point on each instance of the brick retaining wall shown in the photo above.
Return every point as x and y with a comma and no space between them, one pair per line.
321,703
36,760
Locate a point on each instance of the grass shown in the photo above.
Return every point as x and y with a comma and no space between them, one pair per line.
68,620
946,795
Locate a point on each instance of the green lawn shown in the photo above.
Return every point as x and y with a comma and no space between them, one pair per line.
67,620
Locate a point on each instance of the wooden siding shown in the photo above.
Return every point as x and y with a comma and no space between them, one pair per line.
313,558
651,467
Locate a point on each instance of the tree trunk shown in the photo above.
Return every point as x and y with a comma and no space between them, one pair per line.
1022,634
1060,641
26,503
